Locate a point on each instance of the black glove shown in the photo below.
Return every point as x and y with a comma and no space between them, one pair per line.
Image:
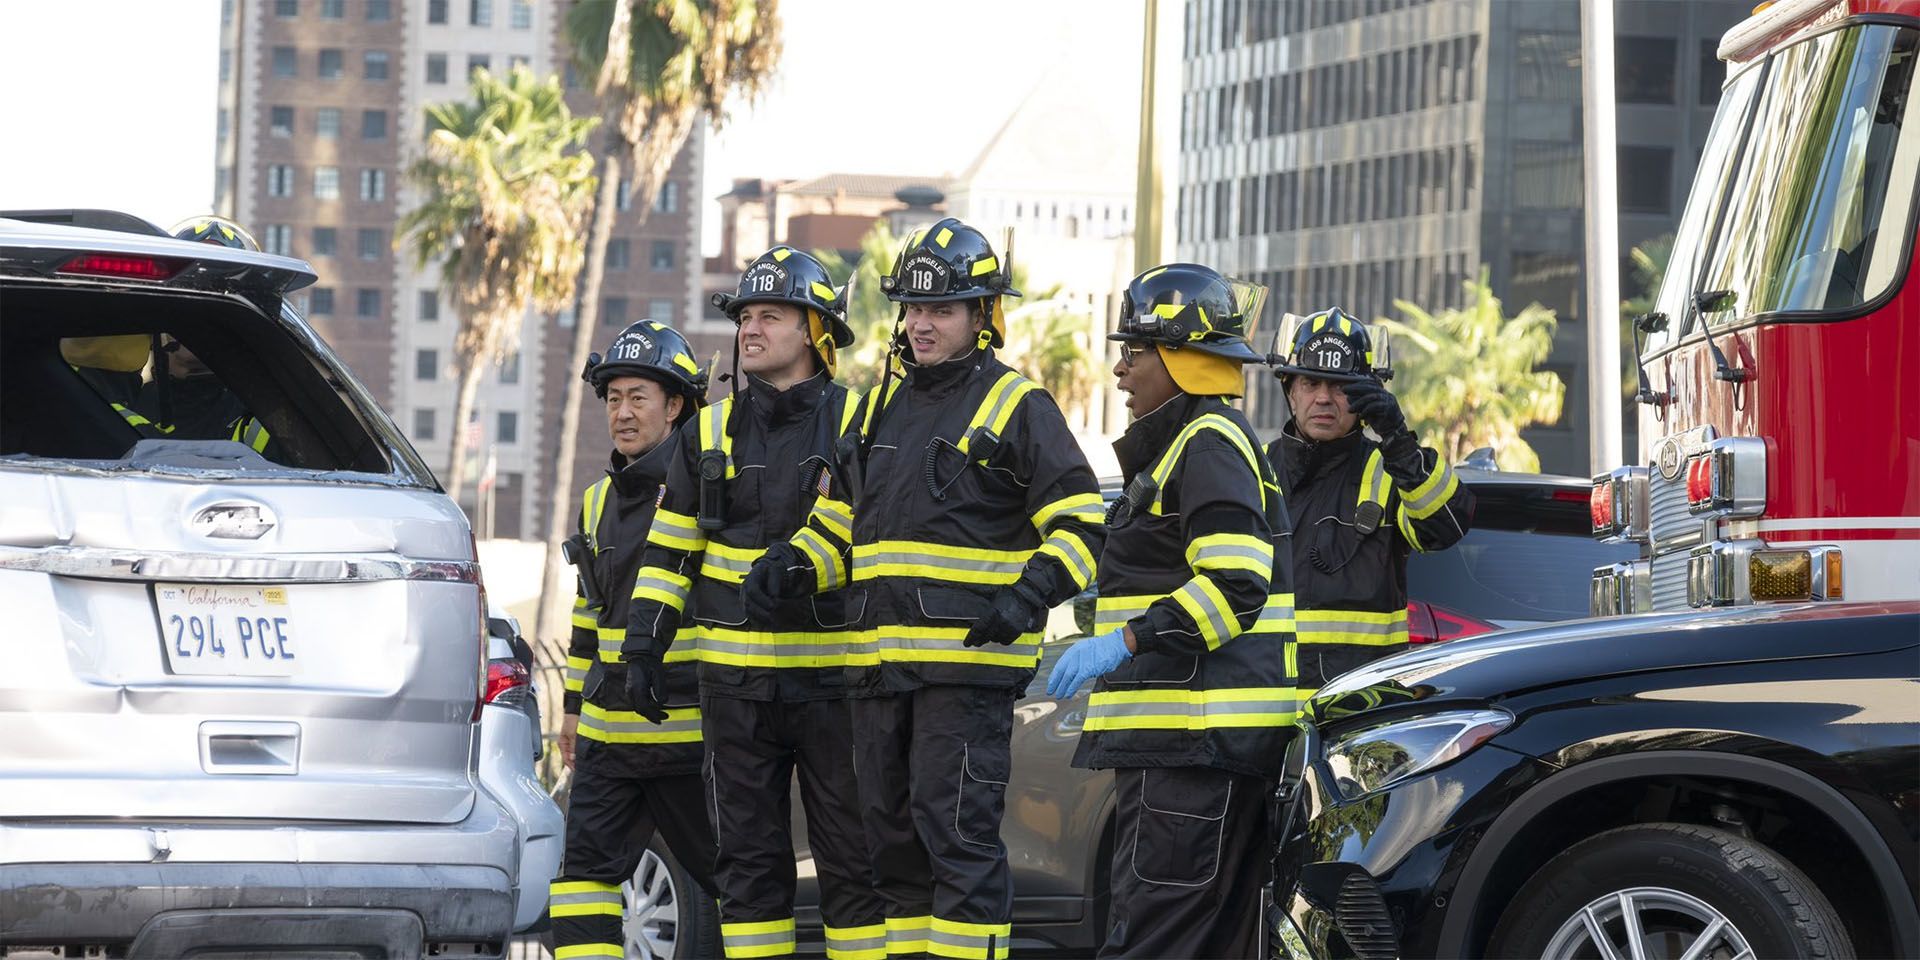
1376,407
1016,610
646,689
780,574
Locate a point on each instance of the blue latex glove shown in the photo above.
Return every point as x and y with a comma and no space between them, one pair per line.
1090,658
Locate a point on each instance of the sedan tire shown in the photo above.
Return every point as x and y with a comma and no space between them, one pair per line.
1681,890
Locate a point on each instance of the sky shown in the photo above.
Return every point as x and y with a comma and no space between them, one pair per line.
124,105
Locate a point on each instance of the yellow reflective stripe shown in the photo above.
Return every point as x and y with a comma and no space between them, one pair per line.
1208,607
829,571
759,648
597,495
907,935
904,644
591,951
997,407
968,941
662,586
1363,627
559,887
676,531
1163,468
908,558
1111,613
1405,524
713,431
1433,493
585,621
765,938
624,726
136,420
1373,483
1231,551
857,943
726,563
1276,616
836,516
684,650
1067,547
1179,709
1087,507
849,404
577,668
984,265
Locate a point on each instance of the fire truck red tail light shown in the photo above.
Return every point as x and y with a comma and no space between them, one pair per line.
1618,505
122,266
1699,480
1728,478
1600,505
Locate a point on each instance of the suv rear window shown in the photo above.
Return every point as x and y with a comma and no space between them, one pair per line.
137,379
1506,575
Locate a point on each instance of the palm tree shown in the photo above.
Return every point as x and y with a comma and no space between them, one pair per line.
660,66
505,197
1474,383
869,312
1047,339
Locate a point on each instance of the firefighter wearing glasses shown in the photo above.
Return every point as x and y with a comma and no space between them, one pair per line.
772,681
1193,639
1362,500
636,758
967,512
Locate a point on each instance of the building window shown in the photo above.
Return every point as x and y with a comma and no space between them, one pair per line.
325,239
436,11
668,200
280,180
613,312
423,424
1546,175
522,15
617,250
379,11
623,196
1713,73
366,302
1646,179
508,427
1546,66
370,242
326,183
226,65
286,8
321,303
326,122
1644,69
279,239
333,63
333,9
373,185
480,13
661,309
426,365
375,64
373,125
282,122
436,68
284,62
429,306
662,258
510,368
478,61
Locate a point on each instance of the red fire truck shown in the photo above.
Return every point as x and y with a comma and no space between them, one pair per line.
1779,381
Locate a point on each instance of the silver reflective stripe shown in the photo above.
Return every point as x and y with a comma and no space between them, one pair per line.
642,726
851,944
728,564
1307,627
1223,627
762,644
1110,613
1223,551
757,939
965,941
95,563
1072,556
1026,644
1189,710
1431,499
1274,618
1011,568
599,896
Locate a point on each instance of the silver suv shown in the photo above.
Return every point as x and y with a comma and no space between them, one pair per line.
245,634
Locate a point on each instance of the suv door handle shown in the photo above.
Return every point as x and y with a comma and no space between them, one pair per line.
249,746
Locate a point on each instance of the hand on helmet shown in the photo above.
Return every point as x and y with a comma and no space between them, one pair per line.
1376,407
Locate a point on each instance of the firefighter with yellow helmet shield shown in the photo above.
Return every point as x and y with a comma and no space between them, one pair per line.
772,680
963,510
1193,641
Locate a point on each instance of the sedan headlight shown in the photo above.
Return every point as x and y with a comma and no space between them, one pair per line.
1372,758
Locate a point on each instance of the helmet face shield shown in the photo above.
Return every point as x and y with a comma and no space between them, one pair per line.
1251,299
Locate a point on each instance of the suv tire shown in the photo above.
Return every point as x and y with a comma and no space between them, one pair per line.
1680,879
662,891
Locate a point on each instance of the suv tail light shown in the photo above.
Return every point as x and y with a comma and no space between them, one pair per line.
1728,478
122,266
507,682
1432,623
1618,505
481,636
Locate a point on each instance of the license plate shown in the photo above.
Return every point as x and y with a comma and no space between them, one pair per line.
237,631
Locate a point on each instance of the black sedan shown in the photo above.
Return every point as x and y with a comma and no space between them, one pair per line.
1728,784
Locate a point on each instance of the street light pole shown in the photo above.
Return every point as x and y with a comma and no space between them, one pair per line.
1159,156
1602,235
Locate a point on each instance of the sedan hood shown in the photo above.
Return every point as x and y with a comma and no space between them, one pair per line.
1496,665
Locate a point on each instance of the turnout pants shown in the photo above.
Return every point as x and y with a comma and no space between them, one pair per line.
1189,859
753,750
933,766
610,818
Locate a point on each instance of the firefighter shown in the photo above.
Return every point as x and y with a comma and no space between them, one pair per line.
773,683
1193,639
1362,500
636,759
967,512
